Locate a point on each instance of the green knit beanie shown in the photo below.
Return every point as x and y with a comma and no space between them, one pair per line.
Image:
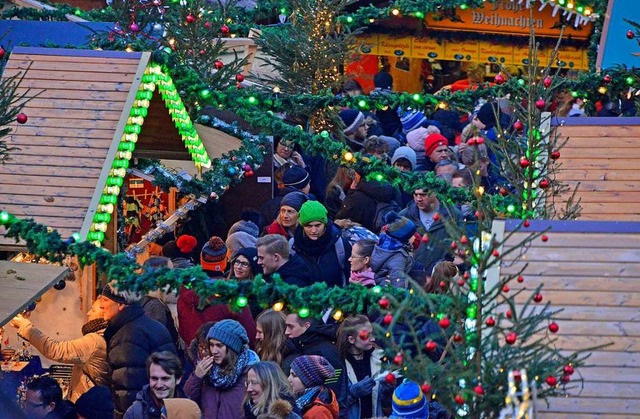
312,211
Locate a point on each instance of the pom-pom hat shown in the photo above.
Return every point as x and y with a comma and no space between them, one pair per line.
230,333
312,370
399,227
213,256
409,402
411,120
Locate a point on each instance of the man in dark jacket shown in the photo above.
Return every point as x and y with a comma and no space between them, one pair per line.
428,215
312,337
43,400
131,337
361,203
275,258
319,243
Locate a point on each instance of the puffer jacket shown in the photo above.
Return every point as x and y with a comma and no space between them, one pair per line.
391,267
131,337
88,355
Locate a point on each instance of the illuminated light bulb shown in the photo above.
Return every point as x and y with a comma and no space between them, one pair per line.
349,19
362,103
442,105
99,227
348,156
128,48
570,5
278,306
511,208
371,20
108,208
4,217
395,12
112,190
303,312
76,237
242,301
337,316
480,191
587,12
602,90
377,289
416,97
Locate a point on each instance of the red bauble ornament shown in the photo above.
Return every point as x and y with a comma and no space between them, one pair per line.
397,359
544,238
22,118
551,380
239,78
466,275
490,322
384,303
630,34
471,141
461,282
464,240
218,65
248,173
504,191
499,78
568,369
553,327
436,216
457,337
547,82
544,183
190,18
524,162
566,378
426,388
224,29
520,279
540,104
506,288
2,52
511,338
238,85
387,319
459,399
517,375
202,52
443,284
430,346
134,27
444,322
607,79
526,223
364,335
555,155
480,140
509,314
207,25
537,298
479,390
518,125
454,246
390,378
495,253
425,238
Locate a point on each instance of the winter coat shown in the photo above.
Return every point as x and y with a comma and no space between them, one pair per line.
276,228
375,362
215,403
325,406
360,204
318,340
295,272
295,412
391,267
333,200
439,244
131,337
322,255
191,317
88,355
145,406
64,410
157,310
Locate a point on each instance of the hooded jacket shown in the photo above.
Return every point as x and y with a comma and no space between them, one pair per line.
360,204
318,340
131,337
391,267
325,406
322,255
145,406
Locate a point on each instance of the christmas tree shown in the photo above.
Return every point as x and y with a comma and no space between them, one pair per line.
11,103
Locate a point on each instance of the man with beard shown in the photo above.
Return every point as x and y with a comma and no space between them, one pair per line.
88,354
165,373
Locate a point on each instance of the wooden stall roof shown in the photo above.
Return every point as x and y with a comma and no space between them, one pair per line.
602,155
79,104
591,270
23,283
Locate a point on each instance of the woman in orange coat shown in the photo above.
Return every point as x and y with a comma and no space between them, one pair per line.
307,378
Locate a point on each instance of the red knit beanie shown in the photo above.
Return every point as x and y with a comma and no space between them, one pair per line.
434,141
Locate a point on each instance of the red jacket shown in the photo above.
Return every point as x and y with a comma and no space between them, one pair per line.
190,318
322,410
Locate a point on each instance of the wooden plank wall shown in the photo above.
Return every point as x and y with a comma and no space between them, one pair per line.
592,271
77,100
603,155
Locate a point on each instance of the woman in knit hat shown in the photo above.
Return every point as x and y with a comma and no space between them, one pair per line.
307,377
287,220
213,257
244,264
321,246
217,383
266,384
392,258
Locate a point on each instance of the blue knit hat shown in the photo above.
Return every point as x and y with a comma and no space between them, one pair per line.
409,402
411,120
231,333
294,200
352,120
312,370
399,227
295,177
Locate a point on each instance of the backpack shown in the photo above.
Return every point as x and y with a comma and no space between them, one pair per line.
382,209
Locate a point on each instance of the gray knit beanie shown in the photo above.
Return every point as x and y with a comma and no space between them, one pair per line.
248,227
294,200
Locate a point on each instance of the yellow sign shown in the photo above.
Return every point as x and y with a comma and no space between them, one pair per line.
508,17
427,48
400,47
462,51
495,53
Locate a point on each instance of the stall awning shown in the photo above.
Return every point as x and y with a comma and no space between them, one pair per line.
23,283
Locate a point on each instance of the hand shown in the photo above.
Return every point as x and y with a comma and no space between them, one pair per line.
20,321
297,157
362,388
462,147
204,366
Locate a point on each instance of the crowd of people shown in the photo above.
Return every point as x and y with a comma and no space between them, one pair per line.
169,354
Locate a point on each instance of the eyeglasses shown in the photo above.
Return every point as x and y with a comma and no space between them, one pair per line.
359,257
33,405
241,264
252,384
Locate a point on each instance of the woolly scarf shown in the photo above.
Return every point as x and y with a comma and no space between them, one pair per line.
221,381
93,326
365,278
307,397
